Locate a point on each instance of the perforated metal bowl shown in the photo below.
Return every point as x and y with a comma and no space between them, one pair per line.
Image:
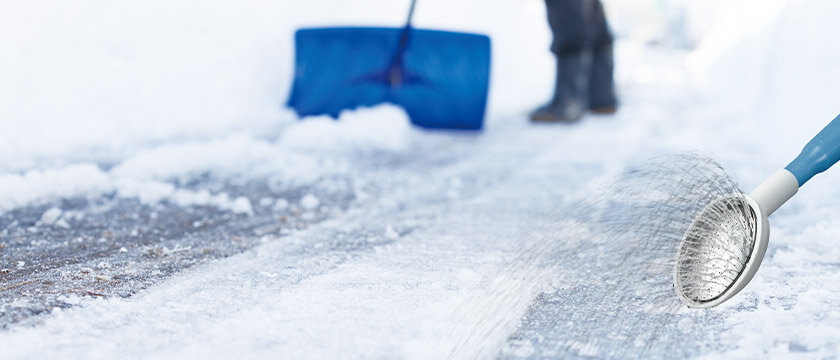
720,251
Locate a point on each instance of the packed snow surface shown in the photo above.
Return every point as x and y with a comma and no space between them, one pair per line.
156,200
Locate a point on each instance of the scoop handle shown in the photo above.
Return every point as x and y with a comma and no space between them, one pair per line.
819,154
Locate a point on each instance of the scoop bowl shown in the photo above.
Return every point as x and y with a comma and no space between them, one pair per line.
723,247
721,251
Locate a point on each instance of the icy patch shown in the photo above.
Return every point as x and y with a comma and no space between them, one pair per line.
152,192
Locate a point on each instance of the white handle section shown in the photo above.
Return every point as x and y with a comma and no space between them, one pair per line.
775,191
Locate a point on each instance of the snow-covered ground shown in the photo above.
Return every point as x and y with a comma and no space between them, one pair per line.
157,201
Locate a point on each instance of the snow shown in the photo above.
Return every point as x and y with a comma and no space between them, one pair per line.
39,185
51,216
310,202
136,101
62,223
353,131
391,234
280,205
242,205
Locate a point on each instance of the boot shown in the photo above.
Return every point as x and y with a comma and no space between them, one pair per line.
602,99
570,91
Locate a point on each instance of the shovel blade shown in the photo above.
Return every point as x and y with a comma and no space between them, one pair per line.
443,84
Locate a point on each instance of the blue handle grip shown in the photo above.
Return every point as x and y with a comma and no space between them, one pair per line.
820,153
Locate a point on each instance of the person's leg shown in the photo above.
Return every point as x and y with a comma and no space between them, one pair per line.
602,97
567,20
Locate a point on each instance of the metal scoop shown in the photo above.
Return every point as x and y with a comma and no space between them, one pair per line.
723,247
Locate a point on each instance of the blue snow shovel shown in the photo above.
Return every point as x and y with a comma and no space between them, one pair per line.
440,78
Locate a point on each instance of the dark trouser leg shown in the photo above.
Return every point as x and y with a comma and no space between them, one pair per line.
568,22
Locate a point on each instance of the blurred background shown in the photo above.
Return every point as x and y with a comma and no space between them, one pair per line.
94,80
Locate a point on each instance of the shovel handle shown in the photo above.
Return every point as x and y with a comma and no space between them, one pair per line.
406,29
410,13
395,70
819,154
